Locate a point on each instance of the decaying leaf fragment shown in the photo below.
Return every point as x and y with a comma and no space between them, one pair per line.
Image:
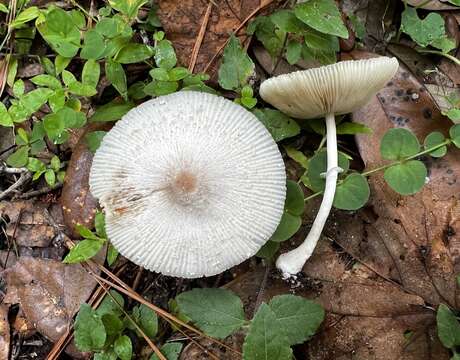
48,291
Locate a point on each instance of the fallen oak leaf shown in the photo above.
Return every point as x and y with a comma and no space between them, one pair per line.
49,292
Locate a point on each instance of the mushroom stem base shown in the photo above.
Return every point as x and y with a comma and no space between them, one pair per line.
292,262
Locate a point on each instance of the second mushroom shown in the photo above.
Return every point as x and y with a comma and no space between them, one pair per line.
325,92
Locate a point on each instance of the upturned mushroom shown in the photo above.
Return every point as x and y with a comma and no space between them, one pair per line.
327,91
191,184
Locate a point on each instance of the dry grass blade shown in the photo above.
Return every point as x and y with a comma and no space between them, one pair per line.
263,4
200,37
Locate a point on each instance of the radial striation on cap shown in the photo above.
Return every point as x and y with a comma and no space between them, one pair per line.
339,88
191,184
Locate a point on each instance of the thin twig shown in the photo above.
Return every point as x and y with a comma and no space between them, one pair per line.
199,38
24,178
42,191
9,170
263,4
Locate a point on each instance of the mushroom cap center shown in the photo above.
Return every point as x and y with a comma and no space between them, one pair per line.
185,182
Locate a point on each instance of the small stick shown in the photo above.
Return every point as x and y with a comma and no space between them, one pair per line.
24,178
9,170
42,191
199,38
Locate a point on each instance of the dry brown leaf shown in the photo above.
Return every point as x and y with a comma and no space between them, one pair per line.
33,229
4,333
78,205
182,21
433,4
49,292
420,231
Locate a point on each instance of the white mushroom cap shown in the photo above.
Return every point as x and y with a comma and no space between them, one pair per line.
339,88
191,183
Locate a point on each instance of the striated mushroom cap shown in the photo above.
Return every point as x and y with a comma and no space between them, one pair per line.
339,88
191,183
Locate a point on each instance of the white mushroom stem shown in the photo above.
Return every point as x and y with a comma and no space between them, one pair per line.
293,261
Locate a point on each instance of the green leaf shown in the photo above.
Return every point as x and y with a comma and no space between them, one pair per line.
266,32
236,67
113,326
55,163
21,137
19,158
91,73
78,18
83,251
398,144
352,128
112,254
264,340
294,198
454,133
35,165
322,15
5,118
165,56
288,226
128,8
93,140
60,32
454,115
322,42
177,74
18,88
448,327
158,88
34,99
278,124
105,355
433,139
116,75
406,178
218,312
358,27
47,80
296,155
25,16
12,71
93,45
318,166
60,63
353,193
68,77
170,350
134,53
99,224
287,21
248,102
146,319
269,250
89,329
123,347
113,27
111,111
159,74
111,306
81,89
423,32
298,318
293,52
3,8
323,57
50,177
57,100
